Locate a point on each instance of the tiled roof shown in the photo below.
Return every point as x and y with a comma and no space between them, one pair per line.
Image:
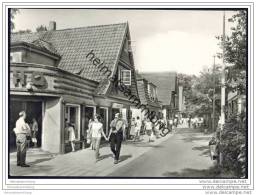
45,45
74,44
143,93
166,82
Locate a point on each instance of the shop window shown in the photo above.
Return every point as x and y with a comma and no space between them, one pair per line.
72,116
16,57
126,77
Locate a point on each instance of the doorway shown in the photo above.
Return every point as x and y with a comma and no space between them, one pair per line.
72,116
33,109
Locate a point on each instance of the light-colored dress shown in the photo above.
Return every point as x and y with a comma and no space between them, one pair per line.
148,127
132,132
137,126
71,132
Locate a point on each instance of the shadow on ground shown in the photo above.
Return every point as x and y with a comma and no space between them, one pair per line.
212,172
105,156
124,157
205,150
39,160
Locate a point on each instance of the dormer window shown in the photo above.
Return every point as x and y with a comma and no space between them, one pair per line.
16,57
126,77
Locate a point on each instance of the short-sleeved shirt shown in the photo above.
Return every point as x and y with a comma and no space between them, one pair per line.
117,125
138,125
148,125
96,129
21,127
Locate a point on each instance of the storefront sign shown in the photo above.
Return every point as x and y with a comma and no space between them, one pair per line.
37,78
116,105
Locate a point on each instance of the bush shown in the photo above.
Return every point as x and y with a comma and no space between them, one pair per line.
233,146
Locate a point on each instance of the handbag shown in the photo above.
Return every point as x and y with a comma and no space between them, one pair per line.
34,140
88,141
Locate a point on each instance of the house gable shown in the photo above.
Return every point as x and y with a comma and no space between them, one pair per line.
125,62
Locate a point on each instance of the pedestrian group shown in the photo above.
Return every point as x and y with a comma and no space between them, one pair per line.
118,133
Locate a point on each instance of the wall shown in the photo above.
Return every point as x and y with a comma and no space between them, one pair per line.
51,135
180,98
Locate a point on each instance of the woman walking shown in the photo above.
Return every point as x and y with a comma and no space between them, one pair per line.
148,128
137,129
96,129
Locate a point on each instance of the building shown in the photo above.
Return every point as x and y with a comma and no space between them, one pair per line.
167,90
181,99
149,104
236,103
68,75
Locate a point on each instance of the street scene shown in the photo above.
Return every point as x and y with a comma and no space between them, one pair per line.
108,93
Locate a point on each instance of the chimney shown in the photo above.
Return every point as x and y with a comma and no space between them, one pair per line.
52,26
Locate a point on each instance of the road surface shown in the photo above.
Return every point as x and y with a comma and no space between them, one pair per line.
186,154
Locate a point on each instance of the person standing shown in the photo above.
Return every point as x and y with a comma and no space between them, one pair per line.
116,135
22,130
148,128
137,128
96,129
170,124
71,136
34,132
132,131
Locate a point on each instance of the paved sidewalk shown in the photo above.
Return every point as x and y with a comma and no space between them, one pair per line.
81,163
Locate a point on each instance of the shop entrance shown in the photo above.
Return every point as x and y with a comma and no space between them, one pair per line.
88,114
114,111
33,109
72,116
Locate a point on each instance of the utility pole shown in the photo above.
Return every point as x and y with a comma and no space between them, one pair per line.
213,98
223,86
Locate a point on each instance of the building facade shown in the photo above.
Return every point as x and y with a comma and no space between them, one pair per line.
60,76
149,105
167,91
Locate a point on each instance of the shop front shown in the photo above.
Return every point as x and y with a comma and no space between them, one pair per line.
33,107
61,98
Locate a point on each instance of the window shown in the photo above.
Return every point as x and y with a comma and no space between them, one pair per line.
152,92
16,57
126,77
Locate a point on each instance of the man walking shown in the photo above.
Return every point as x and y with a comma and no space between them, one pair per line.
116,135
21,130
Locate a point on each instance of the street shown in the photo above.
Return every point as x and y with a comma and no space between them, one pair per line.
184,153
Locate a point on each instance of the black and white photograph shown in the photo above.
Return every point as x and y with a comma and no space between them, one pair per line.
128,93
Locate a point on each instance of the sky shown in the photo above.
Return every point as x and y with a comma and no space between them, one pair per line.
162,40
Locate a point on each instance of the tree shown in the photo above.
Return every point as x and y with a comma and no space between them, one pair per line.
233,136
41,28
198,91
236,52
13,12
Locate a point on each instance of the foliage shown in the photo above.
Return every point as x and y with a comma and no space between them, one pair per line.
198,92
41,28
233,148
236,52
13,12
